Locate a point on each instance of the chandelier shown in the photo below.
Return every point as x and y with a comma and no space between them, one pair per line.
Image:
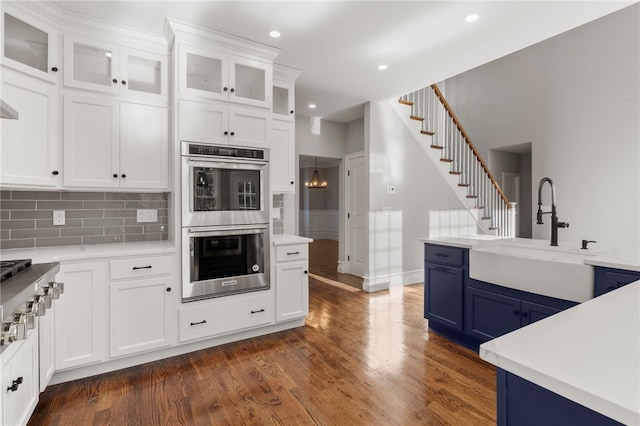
316,182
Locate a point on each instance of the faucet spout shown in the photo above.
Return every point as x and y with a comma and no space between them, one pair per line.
555,224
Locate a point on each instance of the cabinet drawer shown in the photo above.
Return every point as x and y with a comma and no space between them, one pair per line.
140,267
226,315
292,252
447,255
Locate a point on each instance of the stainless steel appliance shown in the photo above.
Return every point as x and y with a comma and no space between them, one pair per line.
225,220
222,260
26,291
224,185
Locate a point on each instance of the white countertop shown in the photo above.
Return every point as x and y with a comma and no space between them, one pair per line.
281,239
94,251
589,354
608,257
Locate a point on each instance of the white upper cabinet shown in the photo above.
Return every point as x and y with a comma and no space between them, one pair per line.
105,67
218,123
30,145
208,73
284,100
110,144
29,45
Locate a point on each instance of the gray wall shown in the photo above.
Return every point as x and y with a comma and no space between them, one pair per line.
576,98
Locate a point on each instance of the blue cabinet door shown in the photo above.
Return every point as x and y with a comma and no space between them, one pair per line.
443,300
489,315
532,312
607,279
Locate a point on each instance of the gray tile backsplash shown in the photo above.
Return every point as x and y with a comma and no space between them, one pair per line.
278,224
26,218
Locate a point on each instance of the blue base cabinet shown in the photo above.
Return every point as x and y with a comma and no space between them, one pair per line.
522,403
471,312
491,310
444,272
609,279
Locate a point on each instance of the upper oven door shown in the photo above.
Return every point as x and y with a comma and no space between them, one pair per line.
220,192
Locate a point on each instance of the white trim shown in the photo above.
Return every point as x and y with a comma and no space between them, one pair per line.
384,282
343,267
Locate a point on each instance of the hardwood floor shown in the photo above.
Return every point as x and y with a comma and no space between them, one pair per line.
323,261
362,359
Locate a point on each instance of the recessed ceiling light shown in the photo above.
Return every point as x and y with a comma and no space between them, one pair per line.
471,18
274,34
312,106
382,67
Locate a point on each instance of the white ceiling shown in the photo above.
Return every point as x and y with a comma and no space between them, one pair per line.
339,44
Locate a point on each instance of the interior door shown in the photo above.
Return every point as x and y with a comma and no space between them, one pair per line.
356,244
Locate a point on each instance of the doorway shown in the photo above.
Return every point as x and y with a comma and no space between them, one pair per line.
512,165
319,217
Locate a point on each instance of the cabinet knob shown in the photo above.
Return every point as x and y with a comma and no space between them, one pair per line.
55,173
233,90
226,133
115,80
115,175
123,176
525,314
54,69
291,182
224,89
124,83
168,289
233,133
306,272
291,112
516,312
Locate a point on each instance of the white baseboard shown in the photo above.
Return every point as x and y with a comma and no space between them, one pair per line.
384,282
343,267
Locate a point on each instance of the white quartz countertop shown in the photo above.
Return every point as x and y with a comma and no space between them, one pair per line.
589,354
95,251
606,256
282,239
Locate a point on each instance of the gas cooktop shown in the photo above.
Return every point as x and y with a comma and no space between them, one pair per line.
10,268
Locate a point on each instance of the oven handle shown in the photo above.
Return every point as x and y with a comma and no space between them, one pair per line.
233,230
252,165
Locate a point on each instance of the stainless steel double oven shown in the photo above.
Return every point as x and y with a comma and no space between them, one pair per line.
225,220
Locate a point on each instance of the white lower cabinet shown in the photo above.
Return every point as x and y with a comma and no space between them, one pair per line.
20,391
46,342
292,282
140,310
81,315
210,318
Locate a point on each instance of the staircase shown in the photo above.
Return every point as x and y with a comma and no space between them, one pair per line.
444,139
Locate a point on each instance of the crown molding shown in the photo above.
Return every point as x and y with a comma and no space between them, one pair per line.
184,32
285,72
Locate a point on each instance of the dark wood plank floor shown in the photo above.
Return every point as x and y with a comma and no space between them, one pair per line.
362,359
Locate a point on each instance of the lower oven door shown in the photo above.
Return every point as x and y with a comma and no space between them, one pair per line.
218,261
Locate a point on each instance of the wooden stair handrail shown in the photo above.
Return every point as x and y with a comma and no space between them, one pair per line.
468,141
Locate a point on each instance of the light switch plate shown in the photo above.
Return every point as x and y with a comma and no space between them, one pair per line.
147,215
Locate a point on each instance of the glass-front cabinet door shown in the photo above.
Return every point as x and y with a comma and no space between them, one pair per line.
250,81
143,76
203,73
91,65
29,45
208,73
283,100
